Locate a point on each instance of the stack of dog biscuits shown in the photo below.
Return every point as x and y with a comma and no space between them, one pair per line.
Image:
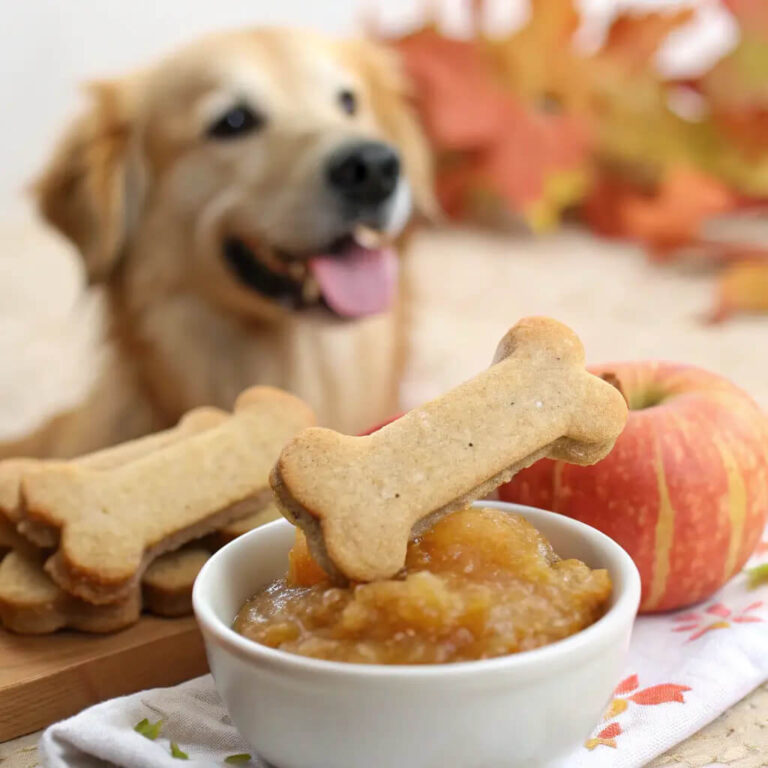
89,543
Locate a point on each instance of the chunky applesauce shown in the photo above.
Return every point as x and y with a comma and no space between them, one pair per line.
480,583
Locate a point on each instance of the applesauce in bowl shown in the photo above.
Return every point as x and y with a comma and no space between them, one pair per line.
480,583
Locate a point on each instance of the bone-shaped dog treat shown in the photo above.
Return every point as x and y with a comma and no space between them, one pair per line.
31,604
230,532
13,470
10,538
113,522
358,499
166,587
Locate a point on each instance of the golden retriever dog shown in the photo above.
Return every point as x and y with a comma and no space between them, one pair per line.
239,201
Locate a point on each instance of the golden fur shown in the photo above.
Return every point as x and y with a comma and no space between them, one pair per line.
146,196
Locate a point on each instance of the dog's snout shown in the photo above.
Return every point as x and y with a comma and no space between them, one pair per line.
364,172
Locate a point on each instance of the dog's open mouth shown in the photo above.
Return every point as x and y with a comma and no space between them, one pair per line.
354,276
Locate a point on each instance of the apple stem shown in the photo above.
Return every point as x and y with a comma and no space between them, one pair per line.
614,381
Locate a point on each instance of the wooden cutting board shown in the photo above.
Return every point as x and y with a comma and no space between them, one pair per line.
44,679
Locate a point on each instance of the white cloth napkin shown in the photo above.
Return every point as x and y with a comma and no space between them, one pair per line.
683,670
192,715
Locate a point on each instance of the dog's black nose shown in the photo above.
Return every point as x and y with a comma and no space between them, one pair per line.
364,172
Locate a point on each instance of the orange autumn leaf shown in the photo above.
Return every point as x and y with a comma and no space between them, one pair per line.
553,143
660,694
538,62
528,125
663,216
742,288
673,216
551,24
633,39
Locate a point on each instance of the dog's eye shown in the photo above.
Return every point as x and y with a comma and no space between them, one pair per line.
236,122
348,101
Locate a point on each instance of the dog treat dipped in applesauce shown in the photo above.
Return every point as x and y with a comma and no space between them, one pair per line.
452,592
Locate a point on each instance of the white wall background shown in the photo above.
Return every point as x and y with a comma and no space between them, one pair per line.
48,47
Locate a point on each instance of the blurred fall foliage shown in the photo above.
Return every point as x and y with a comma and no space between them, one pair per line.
529,127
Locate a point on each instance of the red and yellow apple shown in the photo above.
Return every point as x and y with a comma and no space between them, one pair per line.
685,489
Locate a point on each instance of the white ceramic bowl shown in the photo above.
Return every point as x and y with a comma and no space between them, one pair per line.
528,709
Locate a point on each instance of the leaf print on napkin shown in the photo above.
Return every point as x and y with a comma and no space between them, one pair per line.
652,696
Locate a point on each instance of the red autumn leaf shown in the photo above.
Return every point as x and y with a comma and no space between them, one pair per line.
625,686
610,731
660,694
753,606
456,93
748,620
718,609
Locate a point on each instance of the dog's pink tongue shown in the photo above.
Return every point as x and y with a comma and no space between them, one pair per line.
359,281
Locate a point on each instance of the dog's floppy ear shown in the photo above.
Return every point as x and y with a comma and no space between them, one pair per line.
90,189
389,92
